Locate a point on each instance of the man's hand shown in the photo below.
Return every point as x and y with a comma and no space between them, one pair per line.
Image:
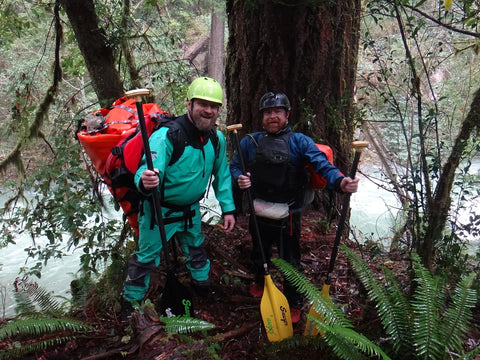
228,222
244,181
150,179
348,185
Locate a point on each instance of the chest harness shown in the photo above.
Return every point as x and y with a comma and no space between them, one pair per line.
182,134
274,177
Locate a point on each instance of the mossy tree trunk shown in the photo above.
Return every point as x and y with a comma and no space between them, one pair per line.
93,44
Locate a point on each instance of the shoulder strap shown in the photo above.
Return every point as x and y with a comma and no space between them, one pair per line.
214,139
177,136
252,138
179,139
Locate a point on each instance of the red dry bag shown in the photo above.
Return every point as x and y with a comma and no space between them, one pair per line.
318,182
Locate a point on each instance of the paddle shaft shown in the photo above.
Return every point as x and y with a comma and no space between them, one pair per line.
345,206
148,157
274,305
234,128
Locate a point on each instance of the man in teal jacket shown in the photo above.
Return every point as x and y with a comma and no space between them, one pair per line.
181,185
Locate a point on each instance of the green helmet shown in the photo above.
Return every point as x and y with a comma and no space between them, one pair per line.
205,88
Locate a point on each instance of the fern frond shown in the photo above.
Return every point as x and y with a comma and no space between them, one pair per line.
46,302
24,304
16,351
41,326
185,325
470,355
37,299
297,279
58,331
392,304
336,329
341,347
398,322
323,304
416,327
346,343
427,304
455,324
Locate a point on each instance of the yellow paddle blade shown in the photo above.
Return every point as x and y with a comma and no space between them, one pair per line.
275,312
310,328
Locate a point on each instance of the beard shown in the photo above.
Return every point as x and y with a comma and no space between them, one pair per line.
204,120
203,123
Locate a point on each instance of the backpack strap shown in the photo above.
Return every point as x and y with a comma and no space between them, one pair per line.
178,136
214,139
252,139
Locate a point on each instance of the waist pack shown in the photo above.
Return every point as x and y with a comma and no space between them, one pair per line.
270,210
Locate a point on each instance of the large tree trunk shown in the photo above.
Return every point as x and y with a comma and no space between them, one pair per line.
93,45
307,51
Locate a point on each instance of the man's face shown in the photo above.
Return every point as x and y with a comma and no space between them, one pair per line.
203,114
274,119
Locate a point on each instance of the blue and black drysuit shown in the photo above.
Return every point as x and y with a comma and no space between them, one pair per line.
182,185
281,181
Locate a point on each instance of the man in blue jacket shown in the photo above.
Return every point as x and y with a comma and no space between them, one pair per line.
275,159
181,186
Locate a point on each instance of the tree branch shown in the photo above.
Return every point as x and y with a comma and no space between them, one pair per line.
438,22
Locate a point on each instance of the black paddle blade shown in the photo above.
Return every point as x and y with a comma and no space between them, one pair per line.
176,298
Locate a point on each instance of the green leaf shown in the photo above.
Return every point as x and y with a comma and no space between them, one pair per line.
185,325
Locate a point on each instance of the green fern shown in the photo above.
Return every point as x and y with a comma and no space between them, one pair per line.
36,299
470,355
341,347
427,326
323,304
457,317
349,344
40,323
15,350
392,304
175,324
427,303
185,325
40,326
336,329
18,334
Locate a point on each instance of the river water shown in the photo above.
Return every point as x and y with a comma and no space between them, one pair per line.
372,217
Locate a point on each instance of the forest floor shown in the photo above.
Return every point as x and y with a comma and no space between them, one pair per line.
239,332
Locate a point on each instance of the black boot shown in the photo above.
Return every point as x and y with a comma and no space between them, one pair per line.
203,288
126,311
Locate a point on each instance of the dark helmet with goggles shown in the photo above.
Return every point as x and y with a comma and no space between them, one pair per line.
274,99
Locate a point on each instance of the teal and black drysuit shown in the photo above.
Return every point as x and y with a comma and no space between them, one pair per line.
182,185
